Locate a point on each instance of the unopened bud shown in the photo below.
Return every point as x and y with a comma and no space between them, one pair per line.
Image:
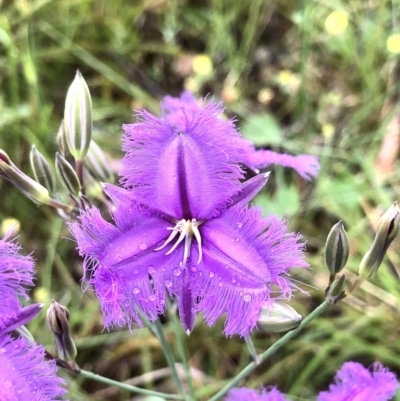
61,141
336,249
41,170
97,164
278,317
387,230
78,123
58,321
335,292
29,187
67,175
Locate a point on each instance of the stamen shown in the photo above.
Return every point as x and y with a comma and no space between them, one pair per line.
187,230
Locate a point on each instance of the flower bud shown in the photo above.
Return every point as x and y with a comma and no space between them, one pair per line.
41,170
387,230
96,162
29,187
67,175
335,292
336,249
61,140
58,321
78,123
278,317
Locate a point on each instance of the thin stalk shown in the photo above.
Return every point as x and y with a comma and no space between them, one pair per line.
159,331
270,351
252,350
178,330
59,205
133,389
79,173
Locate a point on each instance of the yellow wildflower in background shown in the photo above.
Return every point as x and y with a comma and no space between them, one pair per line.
336,22
328,130
393,43
202,65
9,224
41,295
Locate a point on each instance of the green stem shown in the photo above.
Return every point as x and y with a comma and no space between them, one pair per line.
159,331
271,350
133,389
181,350
252,350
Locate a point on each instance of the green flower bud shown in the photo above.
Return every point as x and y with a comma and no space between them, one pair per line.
387,230
78,123
97,164
278,317
336,249
29,187
335,292
67,175
61,140
58,322
41,170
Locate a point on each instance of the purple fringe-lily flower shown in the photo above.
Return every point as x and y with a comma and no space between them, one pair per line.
305,165
246,394
16,272
182,225
24,374
353,382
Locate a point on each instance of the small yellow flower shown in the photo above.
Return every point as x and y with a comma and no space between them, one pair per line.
336,22
230,94
328,130
289,80
393,43
192,84
10,224
41,295
202,65
265,95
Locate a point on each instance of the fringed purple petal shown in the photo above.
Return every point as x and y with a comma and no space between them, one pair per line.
117,194
355,383
245,262
249,189
186,101
128,275
246,394
186,301
306,165
25,375
183,173
25,315
16,272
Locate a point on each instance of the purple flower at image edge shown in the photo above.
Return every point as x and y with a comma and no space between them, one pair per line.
246,394
182,225
354,382
24,374
305,165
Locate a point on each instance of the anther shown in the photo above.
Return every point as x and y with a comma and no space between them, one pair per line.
187,229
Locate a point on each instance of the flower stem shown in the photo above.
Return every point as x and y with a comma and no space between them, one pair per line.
270,351
133,389
181,349
159,331
252,350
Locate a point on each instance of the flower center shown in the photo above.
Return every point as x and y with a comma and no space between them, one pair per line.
187,229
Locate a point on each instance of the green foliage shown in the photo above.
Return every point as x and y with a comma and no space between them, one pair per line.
296,88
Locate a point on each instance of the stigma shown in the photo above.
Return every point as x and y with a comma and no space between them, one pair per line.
187,229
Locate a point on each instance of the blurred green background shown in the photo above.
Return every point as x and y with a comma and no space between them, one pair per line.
317,77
